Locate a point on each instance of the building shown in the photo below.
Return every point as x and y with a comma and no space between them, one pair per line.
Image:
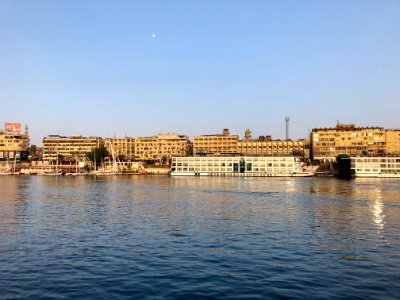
216,144
392,138
265,146
225,144
161,147
14,145
347,139
124,148
240,166
69,148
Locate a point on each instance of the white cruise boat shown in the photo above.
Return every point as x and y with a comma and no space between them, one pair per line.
246,166
385,167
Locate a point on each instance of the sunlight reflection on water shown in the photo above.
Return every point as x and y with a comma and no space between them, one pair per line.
185,237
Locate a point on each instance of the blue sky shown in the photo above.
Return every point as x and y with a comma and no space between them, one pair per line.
94,68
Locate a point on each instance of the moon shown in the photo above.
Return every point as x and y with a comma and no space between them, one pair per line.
153,35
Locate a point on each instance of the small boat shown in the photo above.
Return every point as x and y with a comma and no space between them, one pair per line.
105,173
8,170
52,173
303,174
305,171
76,174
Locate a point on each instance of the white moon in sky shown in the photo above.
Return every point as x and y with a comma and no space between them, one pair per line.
154,35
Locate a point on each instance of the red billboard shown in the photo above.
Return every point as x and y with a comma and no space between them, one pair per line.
13,127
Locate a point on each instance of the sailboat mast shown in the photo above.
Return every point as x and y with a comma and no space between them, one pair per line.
94,159
15,161
115,164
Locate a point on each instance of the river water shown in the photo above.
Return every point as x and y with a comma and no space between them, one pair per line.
188,237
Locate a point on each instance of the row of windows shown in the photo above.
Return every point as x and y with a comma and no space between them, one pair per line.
13,137
222,138
11,144
386,171
230,164
68,146
271,147
336,133
373,159
233,159
248,169
158,148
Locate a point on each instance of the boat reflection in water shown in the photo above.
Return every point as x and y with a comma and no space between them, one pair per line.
199,237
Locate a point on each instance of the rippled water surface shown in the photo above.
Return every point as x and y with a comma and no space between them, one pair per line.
186,237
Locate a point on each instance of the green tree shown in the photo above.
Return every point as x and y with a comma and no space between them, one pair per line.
121,157
97,154
150,162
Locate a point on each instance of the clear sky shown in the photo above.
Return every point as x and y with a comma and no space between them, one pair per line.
139,68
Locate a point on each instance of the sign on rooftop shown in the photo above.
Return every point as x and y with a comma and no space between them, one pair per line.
13,127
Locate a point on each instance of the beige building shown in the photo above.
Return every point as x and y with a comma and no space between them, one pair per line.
14,144
216,144
70,148
392,138
268,147
161,147
123,147
328,143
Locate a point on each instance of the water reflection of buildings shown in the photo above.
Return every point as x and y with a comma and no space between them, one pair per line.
331,207
12,202
355,209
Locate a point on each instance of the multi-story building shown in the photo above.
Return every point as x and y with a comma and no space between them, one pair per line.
216,144
392,138
13,143
124,148
161,147
69,148
265,146
328,143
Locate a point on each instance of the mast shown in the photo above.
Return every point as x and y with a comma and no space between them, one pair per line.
287,128
15,161
115,164
8,165
94,159
57,162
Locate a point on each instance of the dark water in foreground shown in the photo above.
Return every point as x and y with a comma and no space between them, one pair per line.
161,237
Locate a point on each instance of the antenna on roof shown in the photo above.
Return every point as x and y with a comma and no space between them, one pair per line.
287,127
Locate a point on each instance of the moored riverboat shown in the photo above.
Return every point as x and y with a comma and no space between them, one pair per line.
241,166
381,167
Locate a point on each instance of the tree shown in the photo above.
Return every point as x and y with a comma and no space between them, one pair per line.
150,162
97,154
298,153
60,157
121,157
